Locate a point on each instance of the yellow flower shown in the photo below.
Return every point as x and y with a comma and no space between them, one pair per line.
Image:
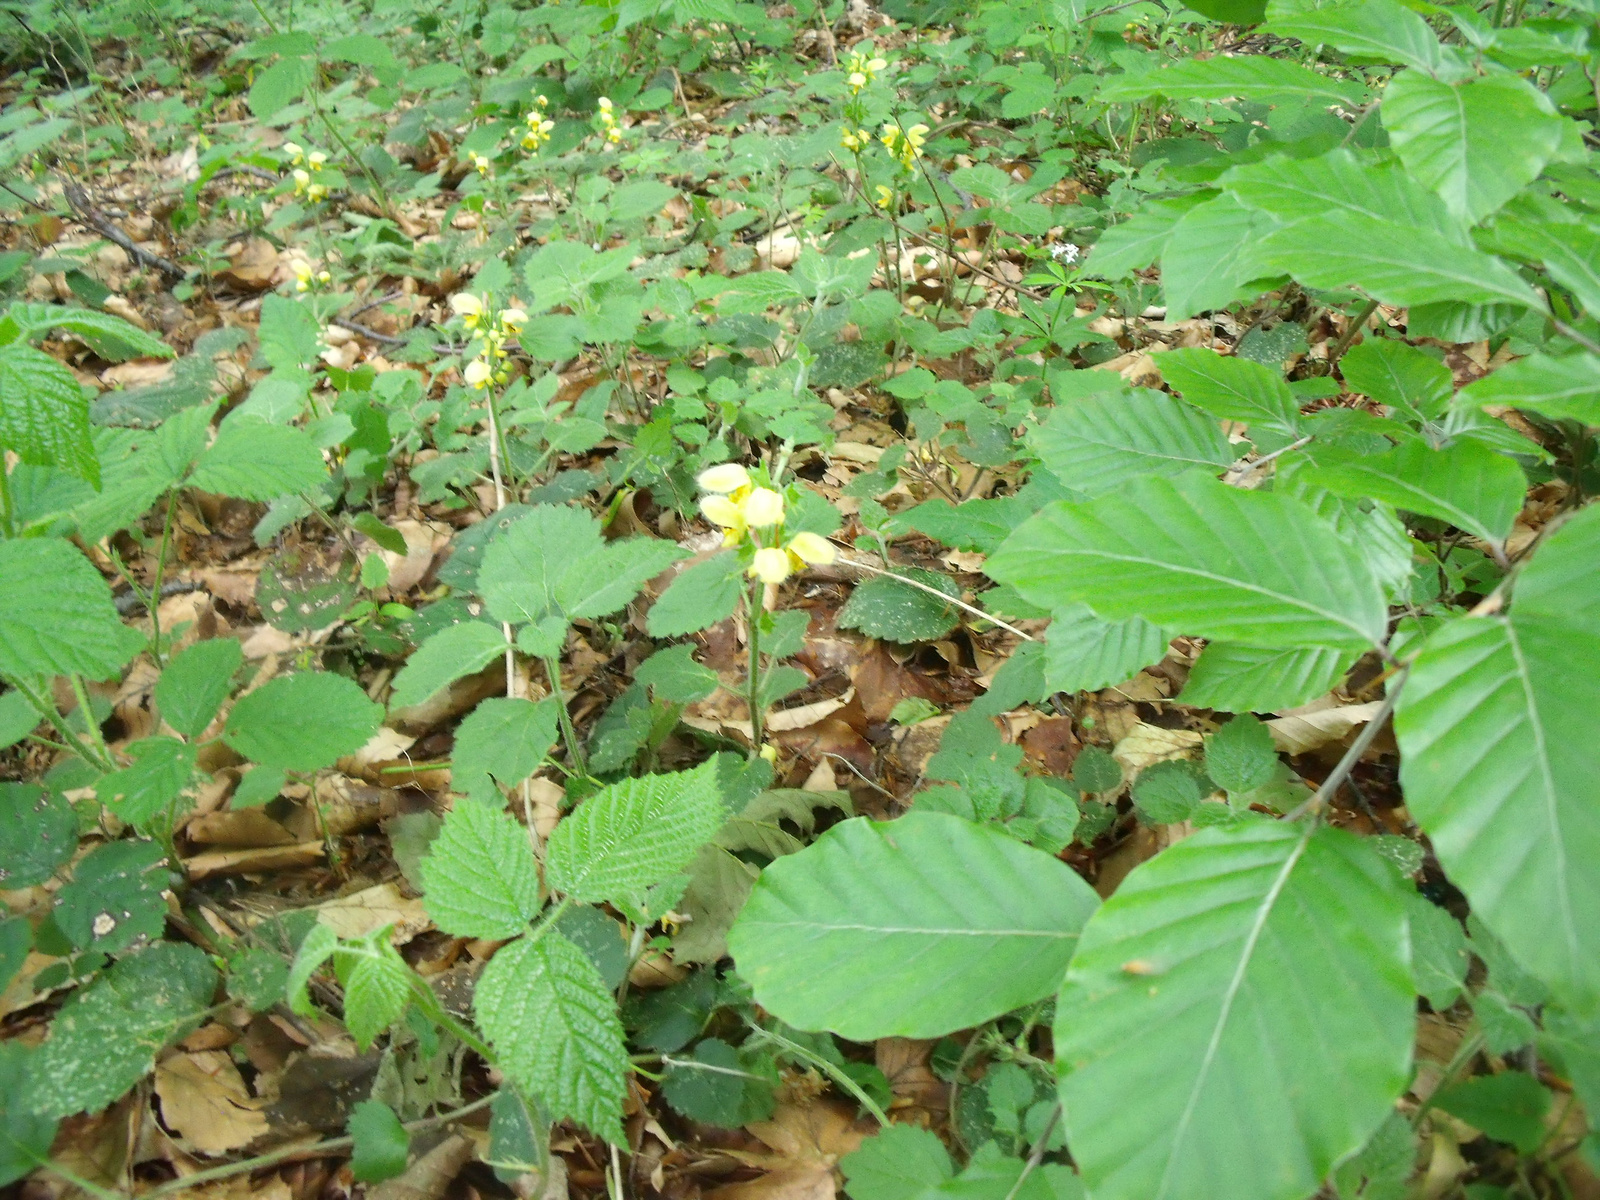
302,181
614,135
763,508
812,548
513,319
480,162
302,276
727,477
468,307
885,197
904,144
770,565
542,100
316,159
768,752
295,153
604,105
862,71
855,82
856,141
478,373
538,132
324,276
719,510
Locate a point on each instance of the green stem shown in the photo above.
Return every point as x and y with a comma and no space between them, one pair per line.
1357,324
1459,1059
155,586
552,668
828,1069
46,708
753,607
96,738
7,519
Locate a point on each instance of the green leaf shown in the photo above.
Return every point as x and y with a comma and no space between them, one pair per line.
1083,653
280,85
108,336
1209,261
106,1037
138,467
674,675
196,682
715,1087
519,1135
1509,1107
381,1144
1232,677
1439,953
554,561
56,615
1241,756
455,651
1095,772
1401,376
1559,580
114,899
554,1025
16,939
258,978
633,834
1094,445
884,607
252,460
377,989
1477,142
25,1136
1234,389
759,826
979,525
479,878
316,948
1495,726
1196,556
145,790
1569,252
1226,77
1138,241
1383,1169
698,598
908,928
302,722
1358,185
899,1162
502,741
1273,959
1466,484
44,415
1377,30
1234,12
719,885
1568,386
38,832
1168,792
18,718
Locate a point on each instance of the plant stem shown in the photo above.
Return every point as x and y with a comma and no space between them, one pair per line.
155,587
1459,1059
91,726
1340,773
552,668
1357,324
827,1068
7,521
1036,1156
753,611
46,708
500,503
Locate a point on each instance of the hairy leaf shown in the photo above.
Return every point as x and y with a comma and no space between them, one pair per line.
302,722
56,614
479,878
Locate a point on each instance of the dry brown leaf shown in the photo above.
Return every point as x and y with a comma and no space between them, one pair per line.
248,828
203,1098
813,1182
360,913
250,862
785,719
1308,731
430,1175
1147,744
819,1132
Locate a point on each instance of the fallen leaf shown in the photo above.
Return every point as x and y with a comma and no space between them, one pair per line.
250,862
813,1182
1147,744
204,1098
360,913
1306,731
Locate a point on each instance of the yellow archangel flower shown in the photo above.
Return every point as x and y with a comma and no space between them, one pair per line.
774,565
861,70
904,144
855,141
480,162
478,374
885,197
468,307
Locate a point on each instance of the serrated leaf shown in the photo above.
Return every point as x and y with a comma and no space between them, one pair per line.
377,990
316,948
1227,77
114,899
302,722
759,826
1439,953
1241,755
1232,677
719,885
698,598
106,1037
25,1136
633,834
108,336
138,467
479,878
1559,580
979,525
38,832
899,1162
502,741
1465,484
450,654
1198,557
1083,653
975,922
1401,376
380,1143
554,561
1094,445
1233,389
1556,387
1495,729
18,718
674,675
714,1086
252,460
1273,958
196,682
56,615
44,416
884,607
554,1025
147,788
1477,141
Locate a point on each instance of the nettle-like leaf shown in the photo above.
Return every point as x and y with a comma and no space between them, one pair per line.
377,987
56,615
253,460
1096,444
633,834
1466,484
479,878
451,654
554,562
106,1037
1495,728
699,597
503,741
196,682
554,1025
1273,958
302,722
147,788
908,928
41,832
886,607
137,467
44,415
1196,556
108,336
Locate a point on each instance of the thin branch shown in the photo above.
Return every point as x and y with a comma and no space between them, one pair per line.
933,591
83,207
1340,773
1036,1156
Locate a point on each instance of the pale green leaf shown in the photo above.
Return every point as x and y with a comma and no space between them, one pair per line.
698,597
899,1162
252,460
108,336
1234,677
633,834
1344,181
1401,376
1241,755
381,1144
450,654
44,415
884,607
909,928
1496,730
377,990
1084,653
302,722
1226,77
555,1027
1559,581
1378,30
1233,389
502,741
1209,260
1439,953
1096,444
1568,250
1198,557
56,614
18,718
138,467
479,879
146,789
1272,958
1138,241
196,682
1568,386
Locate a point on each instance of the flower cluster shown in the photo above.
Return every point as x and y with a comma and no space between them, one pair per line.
747,513
306,165
480,162
305,278
904,144
608,121
539,126
489,335
885,198
855,140
860,70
